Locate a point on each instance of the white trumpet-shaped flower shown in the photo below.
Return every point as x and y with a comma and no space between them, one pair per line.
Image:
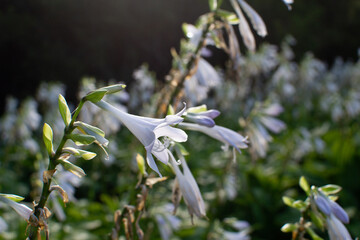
188,187
225,135
149,130
23,210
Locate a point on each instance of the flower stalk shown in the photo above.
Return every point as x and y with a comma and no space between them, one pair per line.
34,228
172,90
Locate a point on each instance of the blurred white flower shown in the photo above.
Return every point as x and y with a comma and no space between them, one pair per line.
166,221
336,229
261,120
188,187
149,130
205,78
3,225
243,228
23,210
288,3
256,21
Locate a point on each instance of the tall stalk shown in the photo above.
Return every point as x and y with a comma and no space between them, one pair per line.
53,162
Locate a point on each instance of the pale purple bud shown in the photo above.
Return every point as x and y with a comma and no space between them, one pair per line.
336,229
201,120
212,113
274,109
323,204
339,212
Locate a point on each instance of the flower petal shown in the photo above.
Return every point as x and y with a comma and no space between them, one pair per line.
151,163
175,134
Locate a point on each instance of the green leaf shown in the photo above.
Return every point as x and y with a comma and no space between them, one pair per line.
87,155
289,227
182,149
317,220
12,197
48,138
82,139
72,150
80,153
313,235
171,110
95,96
93,131
141,164
198,109
213,4
298,204
230,17
304,185
64,110
113,88
288,201
330,189
76,170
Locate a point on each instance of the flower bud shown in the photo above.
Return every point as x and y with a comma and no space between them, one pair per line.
322,204
339,212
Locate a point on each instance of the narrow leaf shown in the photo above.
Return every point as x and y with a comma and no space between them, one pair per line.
288,201
87,155
64,110
95,96
304,185
313,235
93,131
48,138
76,170
213,4
113,88
330,189
12,197
82,139
230,17
288,227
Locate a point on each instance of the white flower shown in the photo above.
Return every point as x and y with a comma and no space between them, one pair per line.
3,225
225,135
205,78
148,130
188,187
336,229
243,228
23,210
288,3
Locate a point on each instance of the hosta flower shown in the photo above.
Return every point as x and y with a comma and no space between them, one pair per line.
335,217
336,229
23,210
149,130
225,135
3,225
243,228
188,187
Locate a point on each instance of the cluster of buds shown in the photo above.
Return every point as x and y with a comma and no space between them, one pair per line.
322,210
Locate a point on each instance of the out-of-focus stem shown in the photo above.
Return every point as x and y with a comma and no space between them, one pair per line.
171,91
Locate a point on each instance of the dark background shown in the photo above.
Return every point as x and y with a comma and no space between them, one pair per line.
65,40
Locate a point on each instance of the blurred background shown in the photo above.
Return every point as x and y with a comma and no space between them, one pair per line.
65,40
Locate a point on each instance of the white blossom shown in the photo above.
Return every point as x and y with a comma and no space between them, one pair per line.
149,130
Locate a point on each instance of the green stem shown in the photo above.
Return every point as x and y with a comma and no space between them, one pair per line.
33,230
